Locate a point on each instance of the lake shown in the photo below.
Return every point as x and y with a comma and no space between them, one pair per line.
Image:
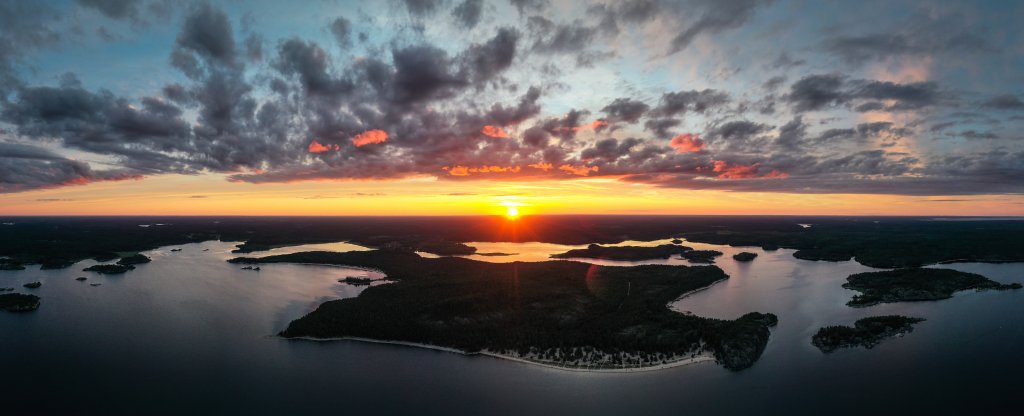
191,333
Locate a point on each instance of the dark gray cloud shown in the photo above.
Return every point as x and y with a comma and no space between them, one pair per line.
712,17
861,48
24,167
341,28
1003,102
114,9
422,7
468,13
817,92
625,110
681,102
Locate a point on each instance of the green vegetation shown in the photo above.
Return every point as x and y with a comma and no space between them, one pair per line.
623,253
109,268
866,332
917,284
18,302
701,256
557,312
133,260
744,256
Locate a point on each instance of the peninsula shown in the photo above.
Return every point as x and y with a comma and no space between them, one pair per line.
559,313
623,253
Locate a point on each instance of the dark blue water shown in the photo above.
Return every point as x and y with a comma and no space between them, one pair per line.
192,333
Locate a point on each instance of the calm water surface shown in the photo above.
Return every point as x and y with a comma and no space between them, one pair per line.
192,333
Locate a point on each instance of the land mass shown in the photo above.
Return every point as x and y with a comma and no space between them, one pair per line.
883,242
744,256
560,313
866,332
109,268
915,284
18,302
623,253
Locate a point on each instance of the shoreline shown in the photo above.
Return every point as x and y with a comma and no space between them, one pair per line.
687,361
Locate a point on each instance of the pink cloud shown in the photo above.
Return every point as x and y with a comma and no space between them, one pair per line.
685,143
459,170
494,131
727,171
370,137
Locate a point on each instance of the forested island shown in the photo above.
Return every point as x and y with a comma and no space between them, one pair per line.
561,313
915,284
744,256
701,256
109,268
18,302
624,253
866,332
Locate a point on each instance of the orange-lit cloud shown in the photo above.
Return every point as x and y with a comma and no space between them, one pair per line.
370,137
685,143
727,171
459,170
578,170
316,147
494,131
542,166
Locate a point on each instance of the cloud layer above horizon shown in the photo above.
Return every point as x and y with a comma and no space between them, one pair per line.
905,98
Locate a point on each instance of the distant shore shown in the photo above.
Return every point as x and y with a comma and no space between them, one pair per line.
679,363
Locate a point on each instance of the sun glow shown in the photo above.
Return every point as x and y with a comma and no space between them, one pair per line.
512,213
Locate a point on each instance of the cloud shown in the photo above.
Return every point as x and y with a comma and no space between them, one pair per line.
932,40
823,91
370,137
493,131
25,168
467,13
1003,102
713,17
625,110
341,28
687,143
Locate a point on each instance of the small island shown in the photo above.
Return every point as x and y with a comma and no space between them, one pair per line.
496,254
866,332
109,268
701,256
557,313
19,302
623,253
744,256
356,281
33,285
915,284
134,259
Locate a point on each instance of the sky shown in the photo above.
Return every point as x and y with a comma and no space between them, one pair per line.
457,107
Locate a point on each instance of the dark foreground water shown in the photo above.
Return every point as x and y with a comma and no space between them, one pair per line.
190,333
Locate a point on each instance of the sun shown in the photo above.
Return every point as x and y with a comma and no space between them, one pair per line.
511,213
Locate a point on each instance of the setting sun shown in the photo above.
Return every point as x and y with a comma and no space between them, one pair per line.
512,212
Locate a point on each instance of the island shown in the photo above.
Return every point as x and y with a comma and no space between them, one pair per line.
33,285
496,254
701,256
356,281
19,302
744,256
558,313
6,289
81,278
915,284
134,259
866,332
109,268
623,253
